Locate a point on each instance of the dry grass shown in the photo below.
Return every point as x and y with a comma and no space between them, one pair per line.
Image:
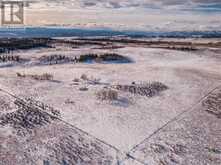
44,76
107,94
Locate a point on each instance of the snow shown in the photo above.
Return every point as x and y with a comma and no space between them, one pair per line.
188,75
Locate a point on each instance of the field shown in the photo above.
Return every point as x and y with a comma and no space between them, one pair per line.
70,101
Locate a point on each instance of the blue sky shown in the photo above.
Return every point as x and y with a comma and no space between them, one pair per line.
149,15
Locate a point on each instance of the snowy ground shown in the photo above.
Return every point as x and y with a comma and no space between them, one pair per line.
170,128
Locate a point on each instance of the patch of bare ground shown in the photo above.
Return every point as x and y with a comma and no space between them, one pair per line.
146,89
213,104
30,114
44,76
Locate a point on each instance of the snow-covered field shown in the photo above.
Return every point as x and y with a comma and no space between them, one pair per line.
169,128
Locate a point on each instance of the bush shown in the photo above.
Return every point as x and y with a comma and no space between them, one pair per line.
54,59
107,94
6,58
45,76
148,89
87,57
20,75
212,104
105,57
76,80
84,77
83,89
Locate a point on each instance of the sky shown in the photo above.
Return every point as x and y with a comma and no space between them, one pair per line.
149,15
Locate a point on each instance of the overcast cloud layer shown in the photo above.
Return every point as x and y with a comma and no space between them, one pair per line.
128,14
160,4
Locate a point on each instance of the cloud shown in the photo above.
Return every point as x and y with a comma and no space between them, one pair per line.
129,14
133,3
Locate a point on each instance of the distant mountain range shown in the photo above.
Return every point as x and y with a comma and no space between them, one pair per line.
77,32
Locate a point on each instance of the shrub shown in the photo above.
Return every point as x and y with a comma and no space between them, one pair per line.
20,75
6,58
76,80
98,60
107,94
212,104
54,59
105,57
83,89
87,57
148,89
84,77
45,76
